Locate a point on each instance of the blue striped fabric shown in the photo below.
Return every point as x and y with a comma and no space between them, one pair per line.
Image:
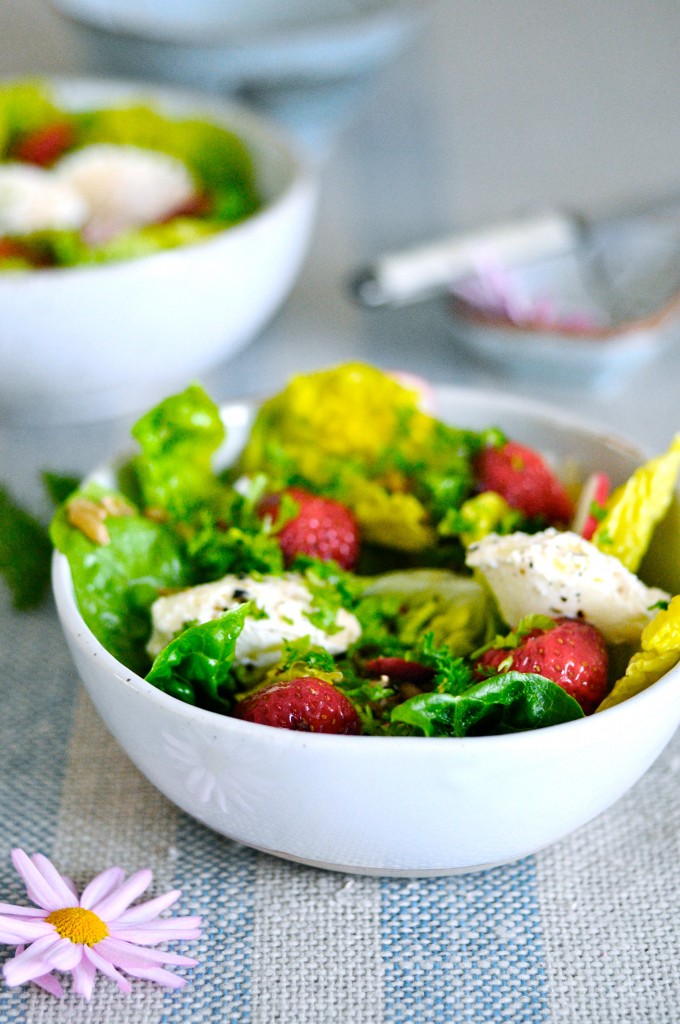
216,878
39,692
465,948
585,931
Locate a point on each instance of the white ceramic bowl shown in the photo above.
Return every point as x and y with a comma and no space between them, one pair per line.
389,806
236,44
90,342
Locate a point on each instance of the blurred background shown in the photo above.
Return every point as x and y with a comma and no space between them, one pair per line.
459,113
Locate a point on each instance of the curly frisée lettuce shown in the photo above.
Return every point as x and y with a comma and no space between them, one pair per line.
420,617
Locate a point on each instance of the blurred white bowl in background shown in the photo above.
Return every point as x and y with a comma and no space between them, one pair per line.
228,45
91,342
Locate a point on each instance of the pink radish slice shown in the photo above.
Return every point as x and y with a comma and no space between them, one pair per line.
426,395
594,493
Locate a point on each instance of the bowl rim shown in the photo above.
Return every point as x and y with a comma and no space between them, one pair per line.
628,334
303,175
79,633
213,37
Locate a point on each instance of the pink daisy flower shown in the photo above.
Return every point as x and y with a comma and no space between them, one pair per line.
98,931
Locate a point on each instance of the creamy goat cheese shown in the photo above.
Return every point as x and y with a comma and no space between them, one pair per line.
559,573
283,605
124,186
32,199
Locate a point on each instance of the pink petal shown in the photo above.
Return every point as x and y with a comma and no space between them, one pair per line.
163,930
106,968
125,954
71,887
46,981
83,978
120,899
50,984
150,909
17,929
159,976
62,887
37,887
12,910
32,962
101,886
66,955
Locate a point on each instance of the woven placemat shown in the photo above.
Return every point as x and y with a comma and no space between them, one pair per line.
583,932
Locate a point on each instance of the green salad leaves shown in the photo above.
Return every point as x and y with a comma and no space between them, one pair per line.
196,666
511,702
118,575
36,130
176,519
25,552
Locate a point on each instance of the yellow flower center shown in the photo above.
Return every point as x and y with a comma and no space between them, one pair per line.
79,925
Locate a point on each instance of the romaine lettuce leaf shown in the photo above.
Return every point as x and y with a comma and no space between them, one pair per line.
456,610
634,509
116,582
660,652
195,667
179,438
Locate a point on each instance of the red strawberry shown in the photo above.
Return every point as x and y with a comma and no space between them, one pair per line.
305,704
573,654
11,250
45,145
323,528
400,670
521,476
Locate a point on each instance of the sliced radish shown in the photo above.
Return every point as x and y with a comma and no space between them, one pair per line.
427,400
595,492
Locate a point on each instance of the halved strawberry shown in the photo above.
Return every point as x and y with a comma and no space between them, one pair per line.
593,496
10,249
45,145
572,653
305,704
323,528
521,476
400,670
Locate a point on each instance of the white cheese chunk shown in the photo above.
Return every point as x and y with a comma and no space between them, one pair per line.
33,199
125,187
282,609
559,573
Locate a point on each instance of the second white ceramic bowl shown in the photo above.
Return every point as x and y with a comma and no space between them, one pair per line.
91,342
